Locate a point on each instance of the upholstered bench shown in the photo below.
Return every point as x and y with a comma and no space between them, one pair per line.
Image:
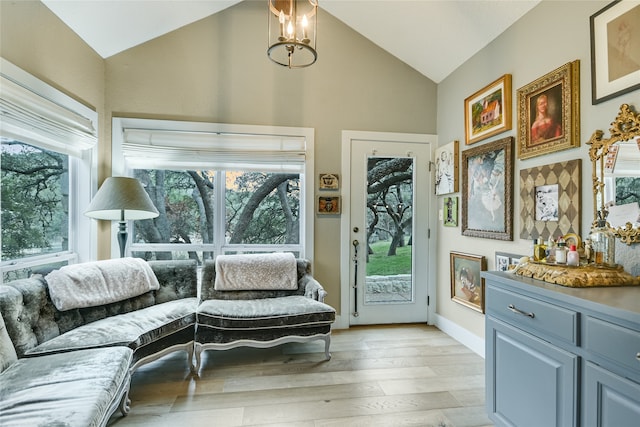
256,310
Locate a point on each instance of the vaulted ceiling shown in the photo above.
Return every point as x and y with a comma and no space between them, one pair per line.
414,31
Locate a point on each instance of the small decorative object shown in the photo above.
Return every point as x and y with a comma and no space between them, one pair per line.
329,181
487,190
604,242
614,68
539,250
561,252
573,258
549,112
506,261
329,205
447,158
566,178
467,286
450,212
488,111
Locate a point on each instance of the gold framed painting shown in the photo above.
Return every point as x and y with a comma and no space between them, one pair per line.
550,200
488,111
549,112
487,190
467,286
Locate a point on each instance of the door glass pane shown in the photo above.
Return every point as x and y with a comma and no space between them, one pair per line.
389,219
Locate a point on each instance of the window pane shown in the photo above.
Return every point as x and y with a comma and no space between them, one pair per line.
184,200
35,200
173,255
24,273
262,208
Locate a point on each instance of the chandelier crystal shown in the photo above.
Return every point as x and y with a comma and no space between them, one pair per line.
292,32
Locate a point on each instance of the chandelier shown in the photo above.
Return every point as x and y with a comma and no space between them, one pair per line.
292,32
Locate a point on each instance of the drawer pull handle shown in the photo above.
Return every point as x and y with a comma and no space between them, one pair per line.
515,310
638,356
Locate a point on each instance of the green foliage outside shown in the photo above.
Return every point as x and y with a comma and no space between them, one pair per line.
382,265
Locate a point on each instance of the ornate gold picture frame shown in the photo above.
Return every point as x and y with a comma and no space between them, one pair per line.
487,189
549,112
488,111
467,286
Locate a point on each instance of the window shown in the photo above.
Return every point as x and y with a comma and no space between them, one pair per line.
46,158
218,188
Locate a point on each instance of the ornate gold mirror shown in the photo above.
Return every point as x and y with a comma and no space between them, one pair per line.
616,175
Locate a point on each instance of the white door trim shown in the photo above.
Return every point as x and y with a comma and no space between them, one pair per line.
348,136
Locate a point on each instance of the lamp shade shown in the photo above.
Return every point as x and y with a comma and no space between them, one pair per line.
120,199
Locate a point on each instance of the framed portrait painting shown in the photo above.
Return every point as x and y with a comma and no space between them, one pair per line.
615,51
467,286
487,190
549,112
488,111
550,202
447,158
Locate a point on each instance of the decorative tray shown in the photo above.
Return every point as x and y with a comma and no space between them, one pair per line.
585,276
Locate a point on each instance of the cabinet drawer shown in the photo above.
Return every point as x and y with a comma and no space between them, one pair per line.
532,314
613,342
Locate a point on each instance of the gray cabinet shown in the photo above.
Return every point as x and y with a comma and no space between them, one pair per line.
558,356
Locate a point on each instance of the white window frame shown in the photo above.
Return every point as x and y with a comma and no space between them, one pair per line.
120,168
56,122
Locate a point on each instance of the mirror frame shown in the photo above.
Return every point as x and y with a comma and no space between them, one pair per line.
626,126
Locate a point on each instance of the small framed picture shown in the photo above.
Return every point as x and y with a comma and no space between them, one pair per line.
329,181
506,261
329,205
450,216
467,286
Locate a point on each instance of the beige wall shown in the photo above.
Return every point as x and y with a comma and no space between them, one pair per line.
217,70
549,36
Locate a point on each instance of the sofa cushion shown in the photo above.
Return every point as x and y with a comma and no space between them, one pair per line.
134,329
282,312
7,351
248,272
81,389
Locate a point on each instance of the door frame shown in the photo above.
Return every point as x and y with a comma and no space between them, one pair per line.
350,137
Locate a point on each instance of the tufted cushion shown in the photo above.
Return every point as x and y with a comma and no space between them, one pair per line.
7,351
283,312
135,329
62,390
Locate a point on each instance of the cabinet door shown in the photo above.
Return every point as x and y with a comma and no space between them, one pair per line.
610,400
529,381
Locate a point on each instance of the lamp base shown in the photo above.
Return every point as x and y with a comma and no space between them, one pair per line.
122,237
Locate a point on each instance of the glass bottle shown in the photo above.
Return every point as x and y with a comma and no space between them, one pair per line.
603,242
561,253
539,250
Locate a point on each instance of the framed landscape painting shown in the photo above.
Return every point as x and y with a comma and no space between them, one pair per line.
488,111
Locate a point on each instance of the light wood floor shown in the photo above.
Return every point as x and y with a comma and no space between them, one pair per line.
406,375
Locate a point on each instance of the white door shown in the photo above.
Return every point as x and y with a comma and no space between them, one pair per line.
388,227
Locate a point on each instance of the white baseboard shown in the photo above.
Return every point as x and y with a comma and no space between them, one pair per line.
466,338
